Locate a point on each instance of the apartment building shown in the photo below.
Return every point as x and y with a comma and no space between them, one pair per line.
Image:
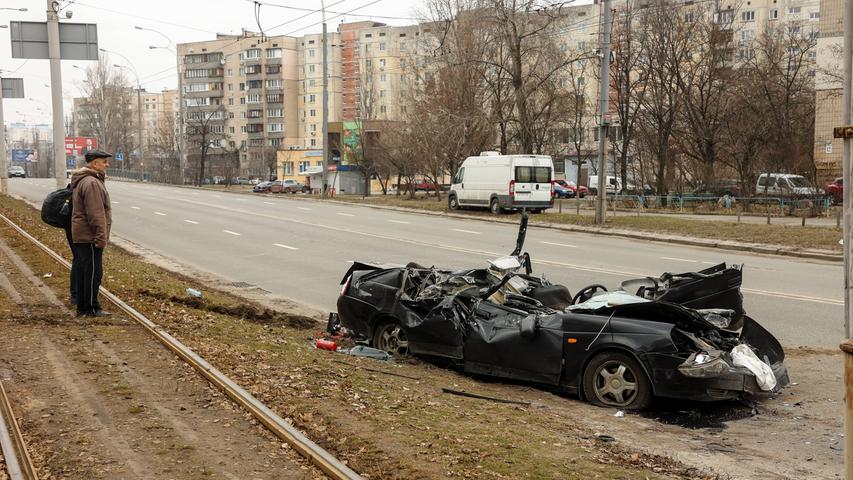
828,91
310,99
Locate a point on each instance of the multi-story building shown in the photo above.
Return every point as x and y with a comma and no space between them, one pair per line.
828,91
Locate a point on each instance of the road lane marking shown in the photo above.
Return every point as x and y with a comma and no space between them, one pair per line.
116,203
231,233
488,254
472,232
306,209
398,221
710,263
560,244
285,246
191,221
160,213
196,193
680,259
269,203
216,196
346,214
136,208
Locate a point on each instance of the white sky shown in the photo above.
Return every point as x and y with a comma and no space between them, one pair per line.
181,20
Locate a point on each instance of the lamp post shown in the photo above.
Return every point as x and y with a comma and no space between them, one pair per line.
140,126
325,103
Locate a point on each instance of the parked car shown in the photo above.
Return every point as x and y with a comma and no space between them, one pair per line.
580,192
263,187
240,181
835,190
719,188
503,182
288,186
681,335
563,192
17,171
785,185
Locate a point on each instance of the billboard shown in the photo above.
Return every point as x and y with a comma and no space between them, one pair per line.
24,155
79,145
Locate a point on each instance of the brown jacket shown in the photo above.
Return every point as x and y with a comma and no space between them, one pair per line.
91,217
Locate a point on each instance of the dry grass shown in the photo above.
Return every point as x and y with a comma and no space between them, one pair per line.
825,238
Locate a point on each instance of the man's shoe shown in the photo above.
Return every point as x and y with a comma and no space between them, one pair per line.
101,313
73,300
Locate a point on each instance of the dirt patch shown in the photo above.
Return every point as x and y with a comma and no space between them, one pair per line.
246,312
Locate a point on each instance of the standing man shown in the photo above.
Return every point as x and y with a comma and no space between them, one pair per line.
90,229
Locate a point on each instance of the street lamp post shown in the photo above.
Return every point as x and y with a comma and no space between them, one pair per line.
171,48
325,164
140,127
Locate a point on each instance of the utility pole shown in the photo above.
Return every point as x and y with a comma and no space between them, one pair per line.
56,93
180,118
4,163
847,207
603,105
325,139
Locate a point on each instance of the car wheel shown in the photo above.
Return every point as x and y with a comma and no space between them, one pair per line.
615,379
390,337
495,207
452,202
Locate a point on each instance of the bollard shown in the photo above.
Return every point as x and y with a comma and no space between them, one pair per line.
847,348
804,220
838,220
560,201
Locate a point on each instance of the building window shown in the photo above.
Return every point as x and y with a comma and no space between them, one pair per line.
313,113
230,129
366,48
746,35
381,93
271,69
311,52
313,127
814,15
274,83
382,77
382,109
274,142
230,101
253,98
381,63
273,53
312,83
274,127
275,98
368,35
793,10
230,72
254,113
288,168
748,16
253,53
274,113
368,63
254,84
311,68
304,166
381,34
312,98
773,15
382,47
313,142
402,109
243,129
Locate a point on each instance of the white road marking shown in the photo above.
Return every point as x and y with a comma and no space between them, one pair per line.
710,263
241,199
560,244
191,221
231,233
269,203
160,213
303,208
346,214
196,193
398,221
116,203
136,208
680,259
285,246
216,196
465,231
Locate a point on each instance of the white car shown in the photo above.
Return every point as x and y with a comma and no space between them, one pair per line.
785,185
17,171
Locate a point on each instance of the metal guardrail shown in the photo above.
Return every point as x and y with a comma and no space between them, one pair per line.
679,202
129,175
272,421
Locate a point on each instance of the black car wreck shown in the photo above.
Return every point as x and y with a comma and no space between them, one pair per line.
681,335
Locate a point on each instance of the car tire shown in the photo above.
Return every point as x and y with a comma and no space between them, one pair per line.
616,380
389,336
452,202
495,207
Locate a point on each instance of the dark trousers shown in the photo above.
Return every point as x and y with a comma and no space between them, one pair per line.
74,263
90,270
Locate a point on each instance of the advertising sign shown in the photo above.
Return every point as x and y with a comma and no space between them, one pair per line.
20,155
79,145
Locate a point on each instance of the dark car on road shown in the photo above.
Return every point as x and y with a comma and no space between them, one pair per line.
719,188
17,171
263,187
680,335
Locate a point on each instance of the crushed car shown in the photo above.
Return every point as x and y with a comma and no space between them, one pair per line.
682,336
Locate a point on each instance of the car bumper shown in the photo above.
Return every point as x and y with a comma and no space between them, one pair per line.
667,381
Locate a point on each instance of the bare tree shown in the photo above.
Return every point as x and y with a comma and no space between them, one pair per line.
108,105
163,143
204,133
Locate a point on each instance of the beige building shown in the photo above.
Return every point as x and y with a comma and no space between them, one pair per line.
828,91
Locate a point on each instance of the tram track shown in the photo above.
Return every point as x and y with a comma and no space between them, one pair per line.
282,429
16,457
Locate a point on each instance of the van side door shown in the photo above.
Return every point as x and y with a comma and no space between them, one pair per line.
458,186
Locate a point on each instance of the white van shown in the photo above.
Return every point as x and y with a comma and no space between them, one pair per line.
504,182
785,185
611,184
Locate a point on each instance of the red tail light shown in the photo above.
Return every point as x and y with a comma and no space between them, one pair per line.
512,188
553,188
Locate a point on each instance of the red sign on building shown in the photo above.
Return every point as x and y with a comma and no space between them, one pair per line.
79,145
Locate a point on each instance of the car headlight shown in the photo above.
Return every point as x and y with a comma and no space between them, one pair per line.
704,364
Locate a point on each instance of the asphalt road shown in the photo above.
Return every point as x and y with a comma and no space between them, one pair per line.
300,249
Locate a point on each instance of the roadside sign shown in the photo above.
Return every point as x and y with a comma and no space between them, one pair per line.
118,157
13,87
20,154
77,145
77,41
843,132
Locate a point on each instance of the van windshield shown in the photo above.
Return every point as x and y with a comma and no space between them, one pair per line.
797,182
533,174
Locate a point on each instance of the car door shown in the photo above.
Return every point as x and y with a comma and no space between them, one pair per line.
459,186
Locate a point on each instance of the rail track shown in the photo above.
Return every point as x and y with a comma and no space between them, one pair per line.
263,414
19,465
